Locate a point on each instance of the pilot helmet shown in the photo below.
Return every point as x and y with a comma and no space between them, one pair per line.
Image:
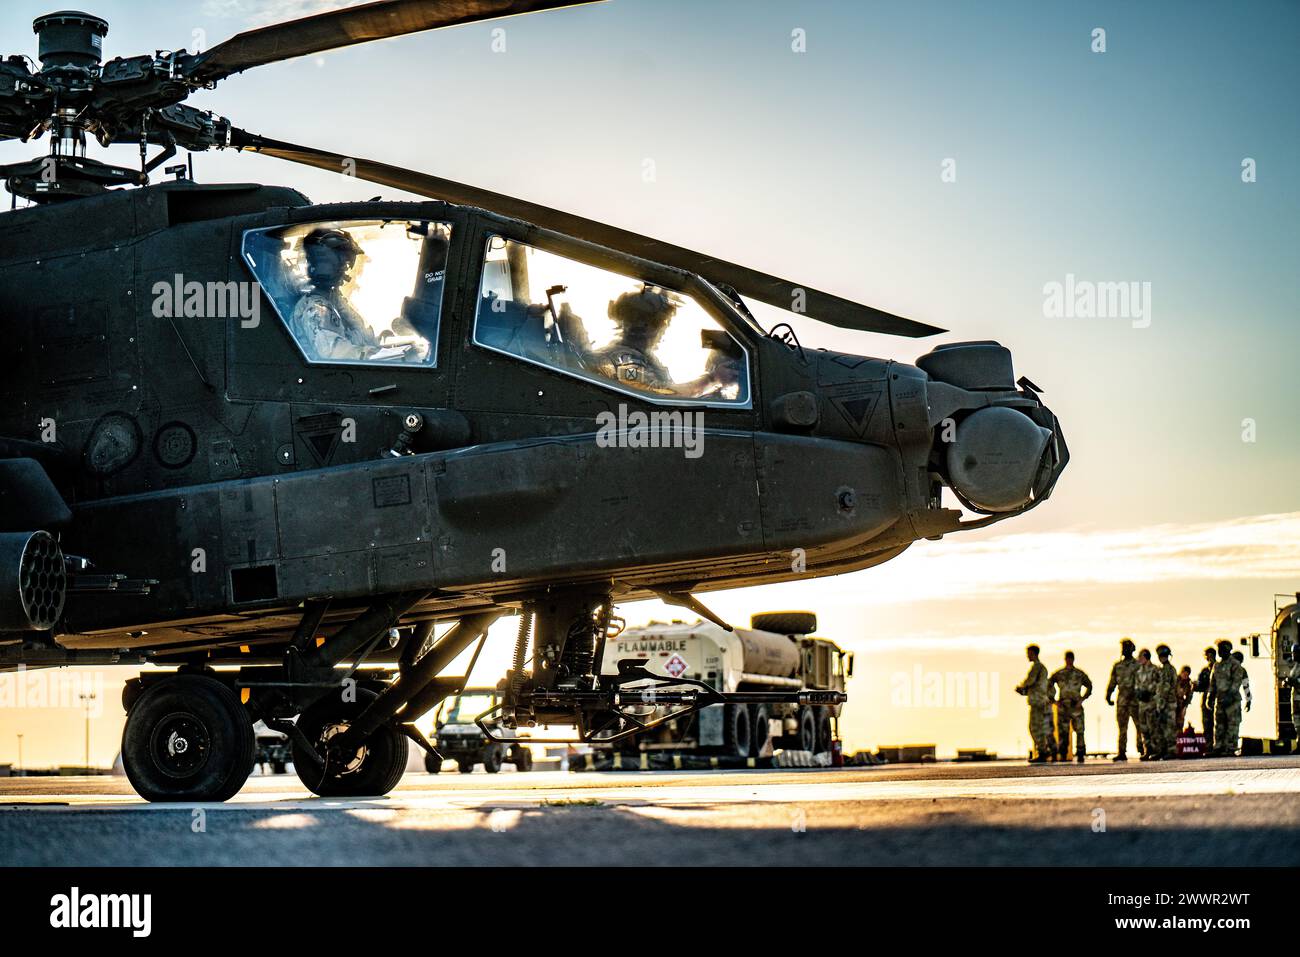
330,253
643,314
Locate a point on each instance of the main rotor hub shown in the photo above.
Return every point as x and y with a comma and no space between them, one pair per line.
70,38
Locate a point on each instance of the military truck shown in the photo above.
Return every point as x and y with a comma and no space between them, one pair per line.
778,650
458,737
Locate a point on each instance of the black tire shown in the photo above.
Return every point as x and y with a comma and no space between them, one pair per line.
188,738
805,736
825,734
737,733
523,759
432,763
464,765
761,730
377,766
493,758
279,767
785,622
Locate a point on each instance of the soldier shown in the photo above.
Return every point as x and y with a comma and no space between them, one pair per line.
323,320
1184,696
1035,688
1225,682
1245,681
1167,702
1292,681
1145,685
1207,698
1122,675
1066,685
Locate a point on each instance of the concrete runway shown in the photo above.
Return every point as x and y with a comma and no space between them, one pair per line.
1213,812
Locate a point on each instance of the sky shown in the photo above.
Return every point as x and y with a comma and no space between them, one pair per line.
947,162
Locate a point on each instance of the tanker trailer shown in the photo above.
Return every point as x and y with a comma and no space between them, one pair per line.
777,651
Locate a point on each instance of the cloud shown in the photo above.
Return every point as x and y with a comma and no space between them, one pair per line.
1258,547
257,13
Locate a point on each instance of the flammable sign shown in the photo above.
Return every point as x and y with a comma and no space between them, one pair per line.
676,666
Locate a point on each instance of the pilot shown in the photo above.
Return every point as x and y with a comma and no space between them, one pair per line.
323,321
643,318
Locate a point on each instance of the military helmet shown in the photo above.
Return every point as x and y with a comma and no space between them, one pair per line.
1225,647
331,253
1127,645
1163,650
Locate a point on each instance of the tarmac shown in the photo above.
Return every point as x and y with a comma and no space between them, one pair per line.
1222,812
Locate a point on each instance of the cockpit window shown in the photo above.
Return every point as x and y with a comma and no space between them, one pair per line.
600,325
356,291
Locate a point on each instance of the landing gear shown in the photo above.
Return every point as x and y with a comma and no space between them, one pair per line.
187,738
370,769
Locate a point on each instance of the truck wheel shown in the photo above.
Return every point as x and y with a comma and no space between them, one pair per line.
188,738
762,730
493,758
432,763
824,732
737,733
373,769
464,765
279,767
523,759
805,736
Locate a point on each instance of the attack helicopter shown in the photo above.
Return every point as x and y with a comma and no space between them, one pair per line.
266,446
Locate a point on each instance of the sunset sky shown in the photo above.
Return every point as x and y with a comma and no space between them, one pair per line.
1178,517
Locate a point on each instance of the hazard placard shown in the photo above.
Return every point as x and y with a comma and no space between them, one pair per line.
676,666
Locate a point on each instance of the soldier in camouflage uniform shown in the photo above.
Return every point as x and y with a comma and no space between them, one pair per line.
1122,675
1167,702
1146,684
1070,688
1034,687
1292,681
1207,698
1225,682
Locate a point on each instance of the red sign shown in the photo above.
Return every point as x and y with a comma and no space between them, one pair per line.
676,666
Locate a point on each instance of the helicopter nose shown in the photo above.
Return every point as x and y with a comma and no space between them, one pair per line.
1001,449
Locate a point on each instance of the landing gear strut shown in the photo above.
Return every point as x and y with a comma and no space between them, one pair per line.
339,769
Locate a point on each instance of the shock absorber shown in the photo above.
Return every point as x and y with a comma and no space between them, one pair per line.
517,674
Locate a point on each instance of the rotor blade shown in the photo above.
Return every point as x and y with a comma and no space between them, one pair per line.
781,293
350,25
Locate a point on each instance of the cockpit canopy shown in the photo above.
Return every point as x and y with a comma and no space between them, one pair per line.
356,291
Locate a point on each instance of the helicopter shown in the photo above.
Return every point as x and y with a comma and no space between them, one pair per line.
266,446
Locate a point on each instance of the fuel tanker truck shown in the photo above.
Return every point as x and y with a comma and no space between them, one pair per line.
776,651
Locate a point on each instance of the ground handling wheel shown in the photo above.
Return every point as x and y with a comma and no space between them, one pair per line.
187,738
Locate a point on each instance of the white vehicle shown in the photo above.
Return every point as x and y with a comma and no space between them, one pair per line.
777,652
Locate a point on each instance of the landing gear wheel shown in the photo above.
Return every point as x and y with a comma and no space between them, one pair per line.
373,769
522,759
736,730
824,732
188,738
432,764
493,759
464,765
762,730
